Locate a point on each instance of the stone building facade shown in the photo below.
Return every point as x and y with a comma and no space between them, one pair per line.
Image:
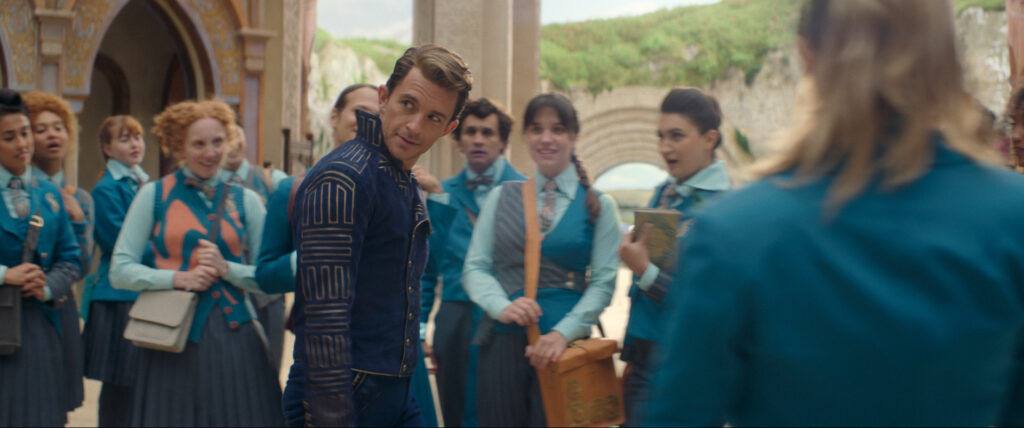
138,56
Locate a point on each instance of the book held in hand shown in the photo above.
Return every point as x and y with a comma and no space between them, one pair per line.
663,237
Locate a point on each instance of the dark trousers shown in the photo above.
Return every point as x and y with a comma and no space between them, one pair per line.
271,317
453,330
115,405
380,401
636,380
509,394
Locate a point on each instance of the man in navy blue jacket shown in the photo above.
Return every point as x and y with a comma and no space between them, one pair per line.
361,231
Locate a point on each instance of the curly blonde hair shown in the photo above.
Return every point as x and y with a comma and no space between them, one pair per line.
38,102
171,125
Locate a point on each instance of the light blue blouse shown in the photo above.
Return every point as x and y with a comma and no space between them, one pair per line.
128,273
478,275
714,178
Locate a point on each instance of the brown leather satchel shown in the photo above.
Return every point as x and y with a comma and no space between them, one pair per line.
581,388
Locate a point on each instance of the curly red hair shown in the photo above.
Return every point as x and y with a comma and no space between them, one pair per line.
171,125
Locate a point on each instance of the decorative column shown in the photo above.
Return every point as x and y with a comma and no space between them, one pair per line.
52,25
255,46
482,33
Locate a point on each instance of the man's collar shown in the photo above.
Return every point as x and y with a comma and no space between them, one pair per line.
368,128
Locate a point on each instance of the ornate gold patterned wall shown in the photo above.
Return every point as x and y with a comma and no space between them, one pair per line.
222,35
81,43
20,35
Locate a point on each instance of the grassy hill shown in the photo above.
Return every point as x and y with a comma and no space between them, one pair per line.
682,46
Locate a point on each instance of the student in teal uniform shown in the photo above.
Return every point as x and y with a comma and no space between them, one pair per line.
580,234
482,136
224,375
33,380
687,138
56,135
110,358
873,276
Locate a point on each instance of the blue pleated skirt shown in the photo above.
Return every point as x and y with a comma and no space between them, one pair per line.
224,380
32,387
71,342
109,357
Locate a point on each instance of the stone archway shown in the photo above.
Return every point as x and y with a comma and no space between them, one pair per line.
144,48
621,126
617,127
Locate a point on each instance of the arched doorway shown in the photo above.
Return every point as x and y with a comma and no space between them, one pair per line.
143,64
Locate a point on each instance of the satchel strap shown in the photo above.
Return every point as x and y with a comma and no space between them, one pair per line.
35,224
531,260
221,197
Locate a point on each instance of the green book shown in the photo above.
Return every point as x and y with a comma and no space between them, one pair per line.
663,238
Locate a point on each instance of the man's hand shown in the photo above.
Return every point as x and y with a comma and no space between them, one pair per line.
25,274
546,350
522,311
634,254
209,255
71,204
198,278
428,182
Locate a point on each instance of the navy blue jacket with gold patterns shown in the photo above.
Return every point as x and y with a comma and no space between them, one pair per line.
360,227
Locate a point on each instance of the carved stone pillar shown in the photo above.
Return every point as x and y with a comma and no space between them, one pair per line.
484,34
255,46
52,26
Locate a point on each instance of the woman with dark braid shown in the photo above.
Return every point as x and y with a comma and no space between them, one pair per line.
580,233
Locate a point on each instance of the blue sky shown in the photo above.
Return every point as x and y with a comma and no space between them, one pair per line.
392,19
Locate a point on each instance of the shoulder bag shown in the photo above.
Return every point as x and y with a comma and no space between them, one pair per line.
161,319
581,388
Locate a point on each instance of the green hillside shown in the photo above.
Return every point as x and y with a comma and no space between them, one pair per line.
682,46
686,45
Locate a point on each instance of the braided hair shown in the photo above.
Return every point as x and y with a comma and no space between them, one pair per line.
567,115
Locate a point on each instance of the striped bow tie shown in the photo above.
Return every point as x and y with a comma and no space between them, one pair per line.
480,180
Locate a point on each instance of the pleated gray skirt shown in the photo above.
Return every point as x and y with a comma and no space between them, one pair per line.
32,387
224,380
109,357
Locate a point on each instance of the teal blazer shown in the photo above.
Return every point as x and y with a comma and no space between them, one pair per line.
274,264
57,251
904,308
